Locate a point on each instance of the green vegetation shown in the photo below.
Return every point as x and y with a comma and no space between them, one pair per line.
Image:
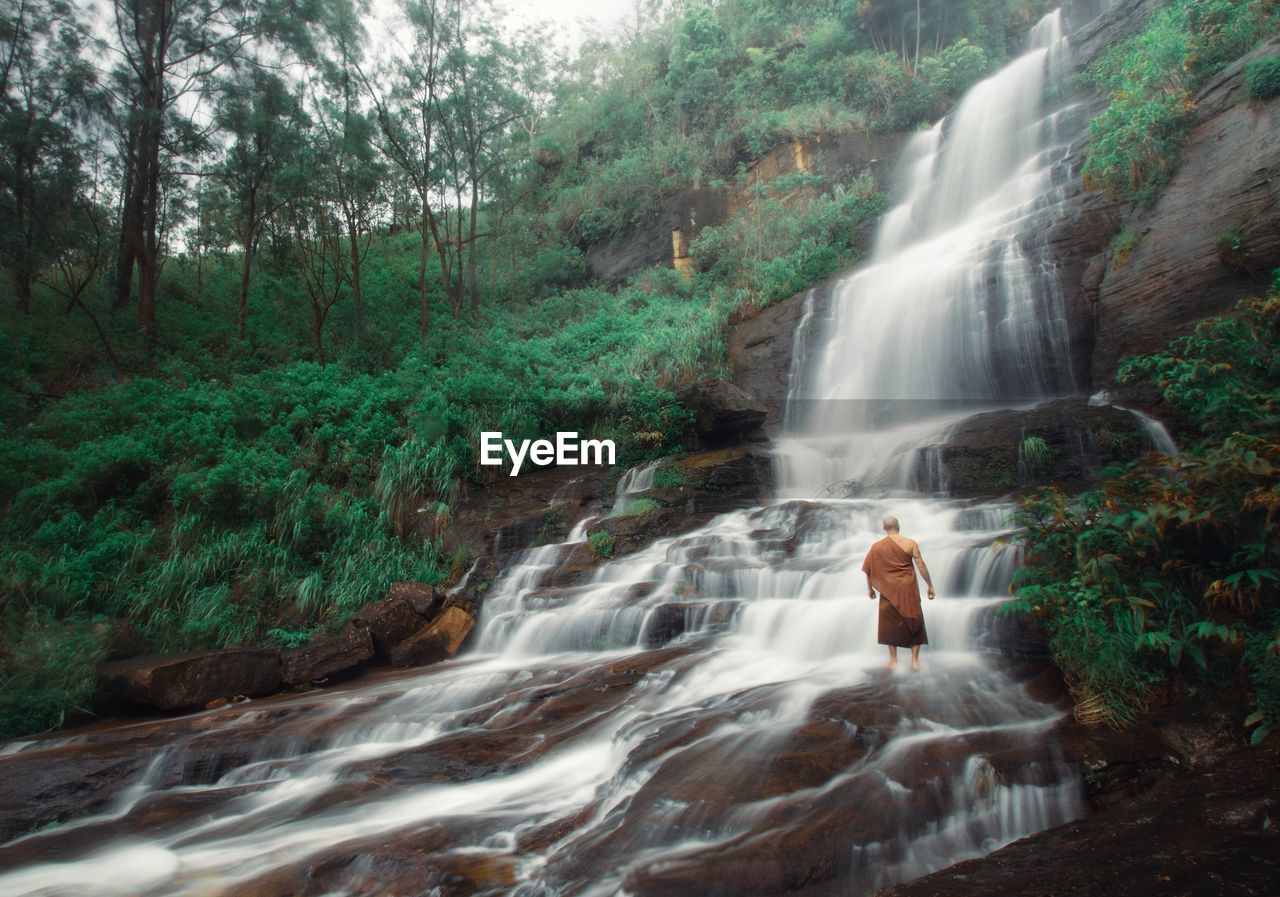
246,361
1151,80
1036,453
1262,78
1123,246
1168,571
641,507
602,544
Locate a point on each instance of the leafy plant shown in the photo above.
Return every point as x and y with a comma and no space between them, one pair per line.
602,544
1160,576
1262,78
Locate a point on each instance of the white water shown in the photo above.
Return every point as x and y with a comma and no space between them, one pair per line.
957,309
664,704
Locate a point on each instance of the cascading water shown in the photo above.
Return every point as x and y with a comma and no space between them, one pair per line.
957,309
711,714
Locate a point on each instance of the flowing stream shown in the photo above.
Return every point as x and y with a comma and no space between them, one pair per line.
710,715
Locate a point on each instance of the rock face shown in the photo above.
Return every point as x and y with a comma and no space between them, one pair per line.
438,640
762,344
1228,184
178,681
724,414
1203,832
834,157
389,622
325,656
985,454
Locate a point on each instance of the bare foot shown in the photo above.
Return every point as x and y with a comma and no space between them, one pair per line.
891,665
915,665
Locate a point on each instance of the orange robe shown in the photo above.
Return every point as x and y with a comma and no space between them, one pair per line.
893,575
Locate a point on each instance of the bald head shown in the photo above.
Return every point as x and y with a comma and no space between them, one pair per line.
890,524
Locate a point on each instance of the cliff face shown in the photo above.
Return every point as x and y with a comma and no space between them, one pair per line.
834,157
1228,185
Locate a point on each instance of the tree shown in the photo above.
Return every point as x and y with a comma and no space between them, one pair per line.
43,83
478,111
314,231
348,135
407,118
261,114
172,49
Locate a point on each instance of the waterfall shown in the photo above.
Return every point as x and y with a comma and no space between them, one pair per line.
958,307
711,714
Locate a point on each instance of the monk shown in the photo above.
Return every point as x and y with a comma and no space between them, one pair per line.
891,569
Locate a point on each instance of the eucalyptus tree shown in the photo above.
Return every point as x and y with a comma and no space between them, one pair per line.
170,53
407,115
44,82
480,108
260,115
360,173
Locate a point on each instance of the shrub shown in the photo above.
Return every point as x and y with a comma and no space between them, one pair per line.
1262,78
1159,576
602,544
1150,80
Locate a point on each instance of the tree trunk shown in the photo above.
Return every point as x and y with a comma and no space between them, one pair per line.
130,226
248,241
353,236
471,252
317,331
22,287
424,321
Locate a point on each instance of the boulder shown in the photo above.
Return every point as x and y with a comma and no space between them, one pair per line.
389,622
724,414
438,640
425,600
177,681
984,454
761,344
1228,185
324,656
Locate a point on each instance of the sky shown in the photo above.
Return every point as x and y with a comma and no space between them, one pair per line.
573,18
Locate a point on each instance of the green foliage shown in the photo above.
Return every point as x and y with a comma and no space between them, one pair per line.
602,544
670,476
1162,575
1150,81
1036,452
779,246
1262,78
1123,245
641,507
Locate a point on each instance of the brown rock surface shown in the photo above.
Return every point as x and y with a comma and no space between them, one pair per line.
176,681
1202,833
438,640
324,656
389,622
724,414
1229,180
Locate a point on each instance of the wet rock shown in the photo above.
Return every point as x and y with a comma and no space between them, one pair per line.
724,414
178,681
1203,832
984,455
1228,182
425,600
327,655
389,622
761,344
438,640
